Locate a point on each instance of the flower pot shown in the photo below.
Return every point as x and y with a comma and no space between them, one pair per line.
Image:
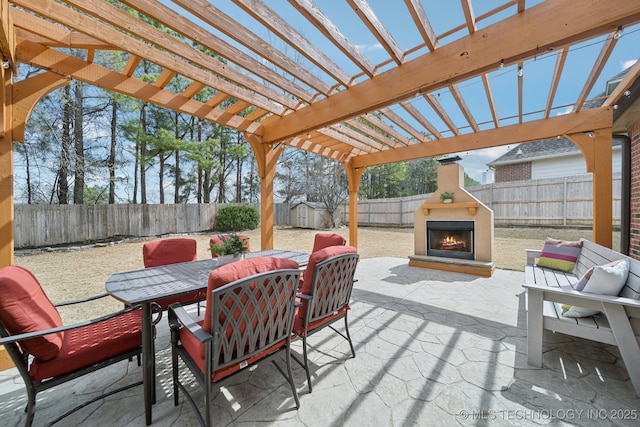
447,201
227,259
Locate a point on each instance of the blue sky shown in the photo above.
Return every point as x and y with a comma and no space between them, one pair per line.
444,16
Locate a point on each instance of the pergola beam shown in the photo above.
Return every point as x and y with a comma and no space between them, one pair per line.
583,121
535,31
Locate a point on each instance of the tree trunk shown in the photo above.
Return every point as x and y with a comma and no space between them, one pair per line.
161,178
111,162
198,126
143,154
63,169
28,173
239,162
78,186
176,190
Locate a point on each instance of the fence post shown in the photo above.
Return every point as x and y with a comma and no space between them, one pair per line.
401,211
564,201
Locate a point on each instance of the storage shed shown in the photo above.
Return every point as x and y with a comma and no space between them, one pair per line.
309,215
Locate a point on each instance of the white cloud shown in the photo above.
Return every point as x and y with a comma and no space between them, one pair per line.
564,111
627,64
368,47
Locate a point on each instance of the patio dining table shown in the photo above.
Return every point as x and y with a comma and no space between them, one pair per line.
147,285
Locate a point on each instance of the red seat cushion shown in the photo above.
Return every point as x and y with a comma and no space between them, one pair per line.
324,240
222,276
217,240
172,251
24,307
194,348
169,251
91,344
307,281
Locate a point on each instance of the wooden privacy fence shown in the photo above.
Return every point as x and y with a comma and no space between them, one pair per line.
49,225
544,202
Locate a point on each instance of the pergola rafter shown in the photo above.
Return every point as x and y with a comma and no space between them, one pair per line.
300,80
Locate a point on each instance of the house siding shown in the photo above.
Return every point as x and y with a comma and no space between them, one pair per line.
634,221
559,166
515,172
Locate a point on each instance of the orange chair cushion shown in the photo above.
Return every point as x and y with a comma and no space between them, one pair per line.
169,251
239,270
194,348
307,281
222,276
217,240
91,344
324,240
24,307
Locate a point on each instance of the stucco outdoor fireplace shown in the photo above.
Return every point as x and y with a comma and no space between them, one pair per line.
455,236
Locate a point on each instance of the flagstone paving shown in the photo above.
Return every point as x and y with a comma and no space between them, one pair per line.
432,348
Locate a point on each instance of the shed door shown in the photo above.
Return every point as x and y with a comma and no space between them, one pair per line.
303,216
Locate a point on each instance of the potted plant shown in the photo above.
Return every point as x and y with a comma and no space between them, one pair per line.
446,197
231,249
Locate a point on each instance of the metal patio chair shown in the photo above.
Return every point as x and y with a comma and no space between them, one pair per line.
324,296
48,354
172,251
324,240
248,318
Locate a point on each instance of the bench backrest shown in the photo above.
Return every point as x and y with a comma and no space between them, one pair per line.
593,254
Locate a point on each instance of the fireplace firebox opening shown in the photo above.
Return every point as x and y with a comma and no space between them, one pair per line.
451,239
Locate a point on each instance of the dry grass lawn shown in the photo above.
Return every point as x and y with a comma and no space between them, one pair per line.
76,272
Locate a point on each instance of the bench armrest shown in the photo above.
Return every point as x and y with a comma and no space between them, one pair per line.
532,255
566,295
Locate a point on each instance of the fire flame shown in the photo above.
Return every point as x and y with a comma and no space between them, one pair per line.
451,243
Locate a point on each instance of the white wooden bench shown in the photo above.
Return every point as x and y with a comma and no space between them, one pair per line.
619,321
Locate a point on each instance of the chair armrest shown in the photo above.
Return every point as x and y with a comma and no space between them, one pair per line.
532,255
178,317
29,335
79,301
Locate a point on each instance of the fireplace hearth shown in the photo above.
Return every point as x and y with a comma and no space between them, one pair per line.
450,239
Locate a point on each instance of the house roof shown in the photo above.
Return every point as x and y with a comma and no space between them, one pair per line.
542,149
314,205
558,146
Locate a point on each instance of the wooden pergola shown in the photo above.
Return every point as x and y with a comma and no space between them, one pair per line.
360,119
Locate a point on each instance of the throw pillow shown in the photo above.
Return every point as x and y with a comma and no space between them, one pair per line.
607,279
559,254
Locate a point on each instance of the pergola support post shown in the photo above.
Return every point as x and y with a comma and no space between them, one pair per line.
6,175
18,100
596,147
353,179
267,158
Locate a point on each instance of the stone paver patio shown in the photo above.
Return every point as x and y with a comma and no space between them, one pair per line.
433,348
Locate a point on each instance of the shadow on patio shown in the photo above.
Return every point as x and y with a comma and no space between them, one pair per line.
433,348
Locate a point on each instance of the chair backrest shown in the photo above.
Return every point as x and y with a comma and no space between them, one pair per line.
324,240
237,271
328,279
24,307
217,240
253,316
169,251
